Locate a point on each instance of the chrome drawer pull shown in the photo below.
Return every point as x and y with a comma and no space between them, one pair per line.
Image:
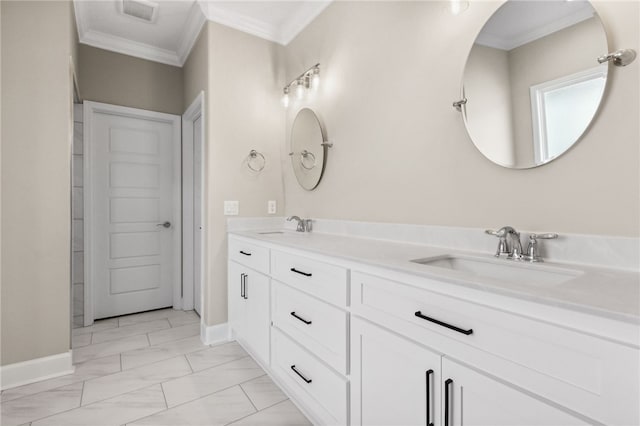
293,367
306,274
242,285
245,253
293,314
444,324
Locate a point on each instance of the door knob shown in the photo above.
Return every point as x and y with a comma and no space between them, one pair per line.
167,224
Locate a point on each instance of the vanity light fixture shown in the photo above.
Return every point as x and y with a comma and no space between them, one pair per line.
308,79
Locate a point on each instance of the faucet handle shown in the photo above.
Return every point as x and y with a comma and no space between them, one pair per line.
533,253
547,236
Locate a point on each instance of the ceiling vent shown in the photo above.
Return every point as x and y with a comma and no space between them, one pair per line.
140,9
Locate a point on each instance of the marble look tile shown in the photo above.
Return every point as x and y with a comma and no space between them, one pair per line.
43,404
175,333
218,409
97,326
186,317
81,340
78,321
205,382
137,378
84,371
283,414
100,350
132,359
77,231
215,356
263,392
130,330
151,316
77,273
114,411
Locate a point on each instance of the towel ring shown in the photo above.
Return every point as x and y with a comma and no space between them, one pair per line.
304,154
253,155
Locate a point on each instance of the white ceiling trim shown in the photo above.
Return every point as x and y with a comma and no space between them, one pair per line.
129,47
497,42
141,50
279,34
191,32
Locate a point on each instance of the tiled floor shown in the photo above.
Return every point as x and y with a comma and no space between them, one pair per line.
152,369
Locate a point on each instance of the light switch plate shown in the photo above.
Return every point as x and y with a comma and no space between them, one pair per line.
231,208
271,207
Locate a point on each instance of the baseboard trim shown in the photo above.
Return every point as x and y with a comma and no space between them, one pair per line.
35,370
213,334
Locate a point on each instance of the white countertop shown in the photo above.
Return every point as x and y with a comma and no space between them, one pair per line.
610,293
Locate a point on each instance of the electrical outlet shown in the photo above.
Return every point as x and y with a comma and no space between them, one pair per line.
231,208
271,207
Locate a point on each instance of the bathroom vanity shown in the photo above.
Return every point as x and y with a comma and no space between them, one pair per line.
362,331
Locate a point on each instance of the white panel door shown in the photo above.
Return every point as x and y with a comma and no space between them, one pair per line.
472,399
393,380
133,208
197,215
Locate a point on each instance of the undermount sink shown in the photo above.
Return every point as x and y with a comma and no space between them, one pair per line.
503,270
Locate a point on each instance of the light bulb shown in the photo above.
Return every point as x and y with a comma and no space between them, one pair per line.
315,80
300,89
285,98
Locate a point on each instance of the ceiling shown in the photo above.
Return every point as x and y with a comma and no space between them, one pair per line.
175,27
520,22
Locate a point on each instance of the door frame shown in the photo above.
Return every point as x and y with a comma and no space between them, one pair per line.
192,113
91,108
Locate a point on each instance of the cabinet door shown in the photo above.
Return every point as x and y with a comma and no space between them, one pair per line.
471,398
393,380
257,302
236,301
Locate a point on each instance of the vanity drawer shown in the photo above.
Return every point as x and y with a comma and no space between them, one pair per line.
325,281
584,373
312,381
319,327
251,255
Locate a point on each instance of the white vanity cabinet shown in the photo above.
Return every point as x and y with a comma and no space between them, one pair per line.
400,382
248,299
356,344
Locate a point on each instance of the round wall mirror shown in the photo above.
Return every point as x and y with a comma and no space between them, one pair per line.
308,149
532,82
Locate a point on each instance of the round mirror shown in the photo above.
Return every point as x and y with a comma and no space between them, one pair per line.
308,149
532,82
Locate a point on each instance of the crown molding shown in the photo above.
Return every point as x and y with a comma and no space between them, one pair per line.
497,42
192,29
279,34
129,47
201,11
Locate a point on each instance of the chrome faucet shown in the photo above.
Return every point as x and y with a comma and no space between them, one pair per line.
509,243
511,246
304,225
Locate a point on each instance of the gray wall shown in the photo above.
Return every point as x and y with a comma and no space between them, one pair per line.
118,79
390,72
37,40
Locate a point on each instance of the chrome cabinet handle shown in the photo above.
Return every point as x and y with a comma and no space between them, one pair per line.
428,385
293,314
444,324
246,294
166,224
447,385
293,367
242,285
306,274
